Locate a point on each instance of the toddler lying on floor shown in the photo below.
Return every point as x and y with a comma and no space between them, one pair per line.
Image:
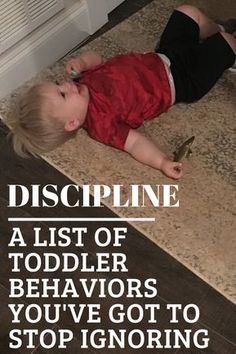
111,99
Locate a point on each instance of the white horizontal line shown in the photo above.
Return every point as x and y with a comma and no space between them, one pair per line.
80,219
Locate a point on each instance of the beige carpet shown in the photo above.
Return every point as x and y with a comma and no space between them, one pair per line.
201,232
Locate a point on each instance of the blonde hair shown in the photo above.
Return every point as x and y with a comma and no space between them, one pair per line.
34,129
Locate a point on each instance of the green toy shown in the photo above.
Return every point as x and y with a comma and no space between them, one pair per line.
184,151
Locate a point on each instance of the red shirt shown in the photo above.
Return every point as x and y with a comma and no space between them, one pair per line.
125,91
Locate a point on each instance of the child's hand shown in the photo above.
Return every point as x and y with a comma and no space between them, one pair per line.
76,64
87,60
172,169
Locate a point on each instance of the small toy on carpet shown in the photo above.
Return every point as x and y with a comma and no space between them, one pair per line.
184,151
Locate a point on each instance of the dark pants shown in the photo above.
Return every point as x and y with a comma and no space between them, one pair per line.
195,66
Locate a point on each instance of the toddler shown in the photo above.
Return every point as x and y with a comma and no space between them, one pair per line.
111,99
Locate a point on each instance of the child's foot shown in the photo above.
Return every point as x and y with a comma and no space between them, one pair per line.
229,26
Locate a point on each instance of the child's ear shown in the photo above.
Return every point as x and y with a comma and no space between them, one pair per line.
71,125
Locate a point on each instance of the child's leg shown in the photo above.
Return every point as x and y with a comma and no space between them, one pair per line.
195,65
207,27
228,26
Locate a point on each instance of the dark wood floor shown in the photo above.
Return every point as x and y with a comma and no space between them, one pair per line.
176,284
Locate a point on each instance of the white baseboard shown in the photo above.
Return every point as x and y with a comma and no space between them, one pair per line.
43,47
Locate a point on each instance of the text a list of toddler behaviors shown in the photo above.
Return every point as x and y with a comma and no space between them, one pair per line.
56,277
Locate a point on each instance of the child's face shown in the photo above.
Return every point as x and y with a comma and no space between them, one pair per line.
70,103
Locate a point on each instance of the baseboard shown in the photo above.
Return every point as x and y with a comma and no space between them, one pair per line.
42,48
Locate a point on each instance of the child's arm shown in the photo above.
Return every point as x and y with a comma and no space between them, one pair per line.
145,151
85,61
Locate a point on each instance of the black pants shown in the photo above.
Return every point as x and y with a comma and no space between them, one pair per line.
195,66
